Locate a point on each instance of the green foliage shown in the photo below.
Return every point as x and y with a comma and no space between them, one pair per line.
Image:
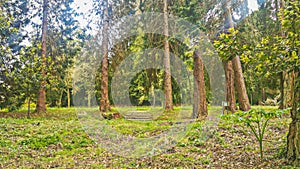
290,19
6,88
58,140
227,45
272,49
257,120
41,143
196,136
20,62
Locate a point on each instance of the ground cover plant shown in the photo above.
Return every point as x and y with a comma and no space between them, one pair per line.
57,139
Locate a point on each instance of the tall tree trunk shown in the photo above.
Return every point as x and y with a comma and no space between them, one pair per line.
138,7
41,99
243,99
59,102
199,105
230,95
282,74
282,97
288,88
104,101
167,77
89,98
293,138
251,98
28,108
69,97
263,95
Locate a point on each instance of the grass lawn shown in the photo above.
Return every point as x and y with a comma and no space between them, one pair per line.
57,140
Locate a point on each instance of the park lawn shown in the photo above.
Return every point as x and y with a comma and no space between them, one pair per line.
57,140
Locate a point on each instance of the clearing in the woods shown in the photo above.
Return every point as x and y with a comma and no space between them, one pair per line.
57,139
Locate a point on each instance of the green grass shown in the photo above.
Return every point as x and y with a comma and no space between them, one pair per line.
57,139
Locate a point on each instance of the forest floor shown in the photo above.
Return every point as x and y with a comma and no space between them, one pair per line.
58,140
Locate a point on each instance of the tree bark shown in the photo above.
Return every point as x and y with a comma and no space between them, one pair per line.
282,97
69,98
89,98
293,138
263,95
59,102
104,101
138,10
41,99
167,77
229,73
230,95
28,108
199,105
282,77
288,88
243,99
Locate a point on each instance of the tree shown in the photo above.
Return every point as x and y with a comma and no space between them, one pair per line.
5,53
167,77
290,18
104,101
195,12
281,53
85,73
229,78
41,100
199,106
286,78
226,55
25,21
13,16
27,77
243,99
63,41
265,76
240,86
293,138
229,50
229,71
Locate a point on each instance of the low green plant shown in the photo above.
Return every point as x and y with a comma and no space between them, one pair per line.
40,143
257,120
